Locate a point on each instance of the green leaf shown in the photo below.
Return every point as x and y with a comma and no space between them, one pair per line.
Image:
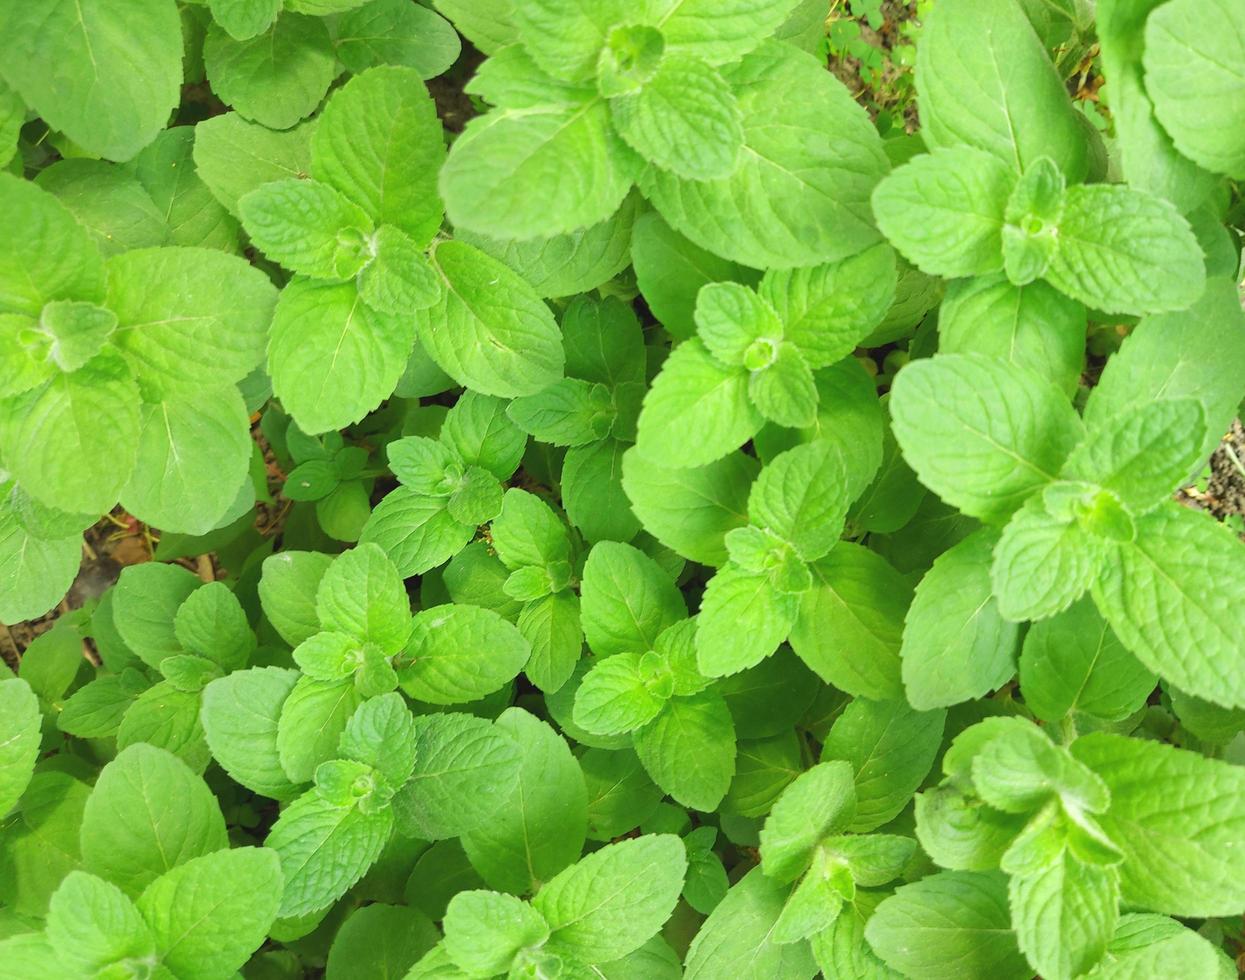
800,497
821,801
670,271
361,594
850,622
1174,597
1064,915
116,74
1073,662
193,453
313,716
203,923
51,662
891,747
620,694
92,925
564,36
949,925
1199,353
166,716
944,211
380,143
416,532
485,931
1177,856
696,411
690,510
243,19
562,265
743,618
466,769
592,492
95,710
620,794
570,412
794,199
391,32
489,331
110,202
719,32
684,120
19,740
147,814
332,357
287,592
55,259
1154,946
147,598
73,440
324,849
537,172
178,330
689,750
34,573
956,644
233,156
828,310
1143,456
541,828
276,78
981,433
1197,93
615,899
399,277
1044,560
737,938
380,939
1126,251
240,715
212,623
459,653
1006,99
1033,326
308,227
627,600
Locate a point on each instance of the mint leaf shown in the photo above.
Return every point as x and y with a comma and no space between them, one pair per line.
324,849
233,156
362,595
485,931
956,643
1183,68
850,622
458,653
689,750
313,716
821,801
202,923
489,331
147,814
466,769
793,199
945,210
504,175
1125,251
119,69
948,924
1155,597
697,409
1010,101
1064,915
276,78
332,357
542,827
93,925
19,744
614,900
684,120
308,227
240,715
627,600
287,592
998,433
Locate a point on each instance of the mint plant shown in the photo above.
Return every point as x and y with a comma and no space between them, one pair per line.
557,489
